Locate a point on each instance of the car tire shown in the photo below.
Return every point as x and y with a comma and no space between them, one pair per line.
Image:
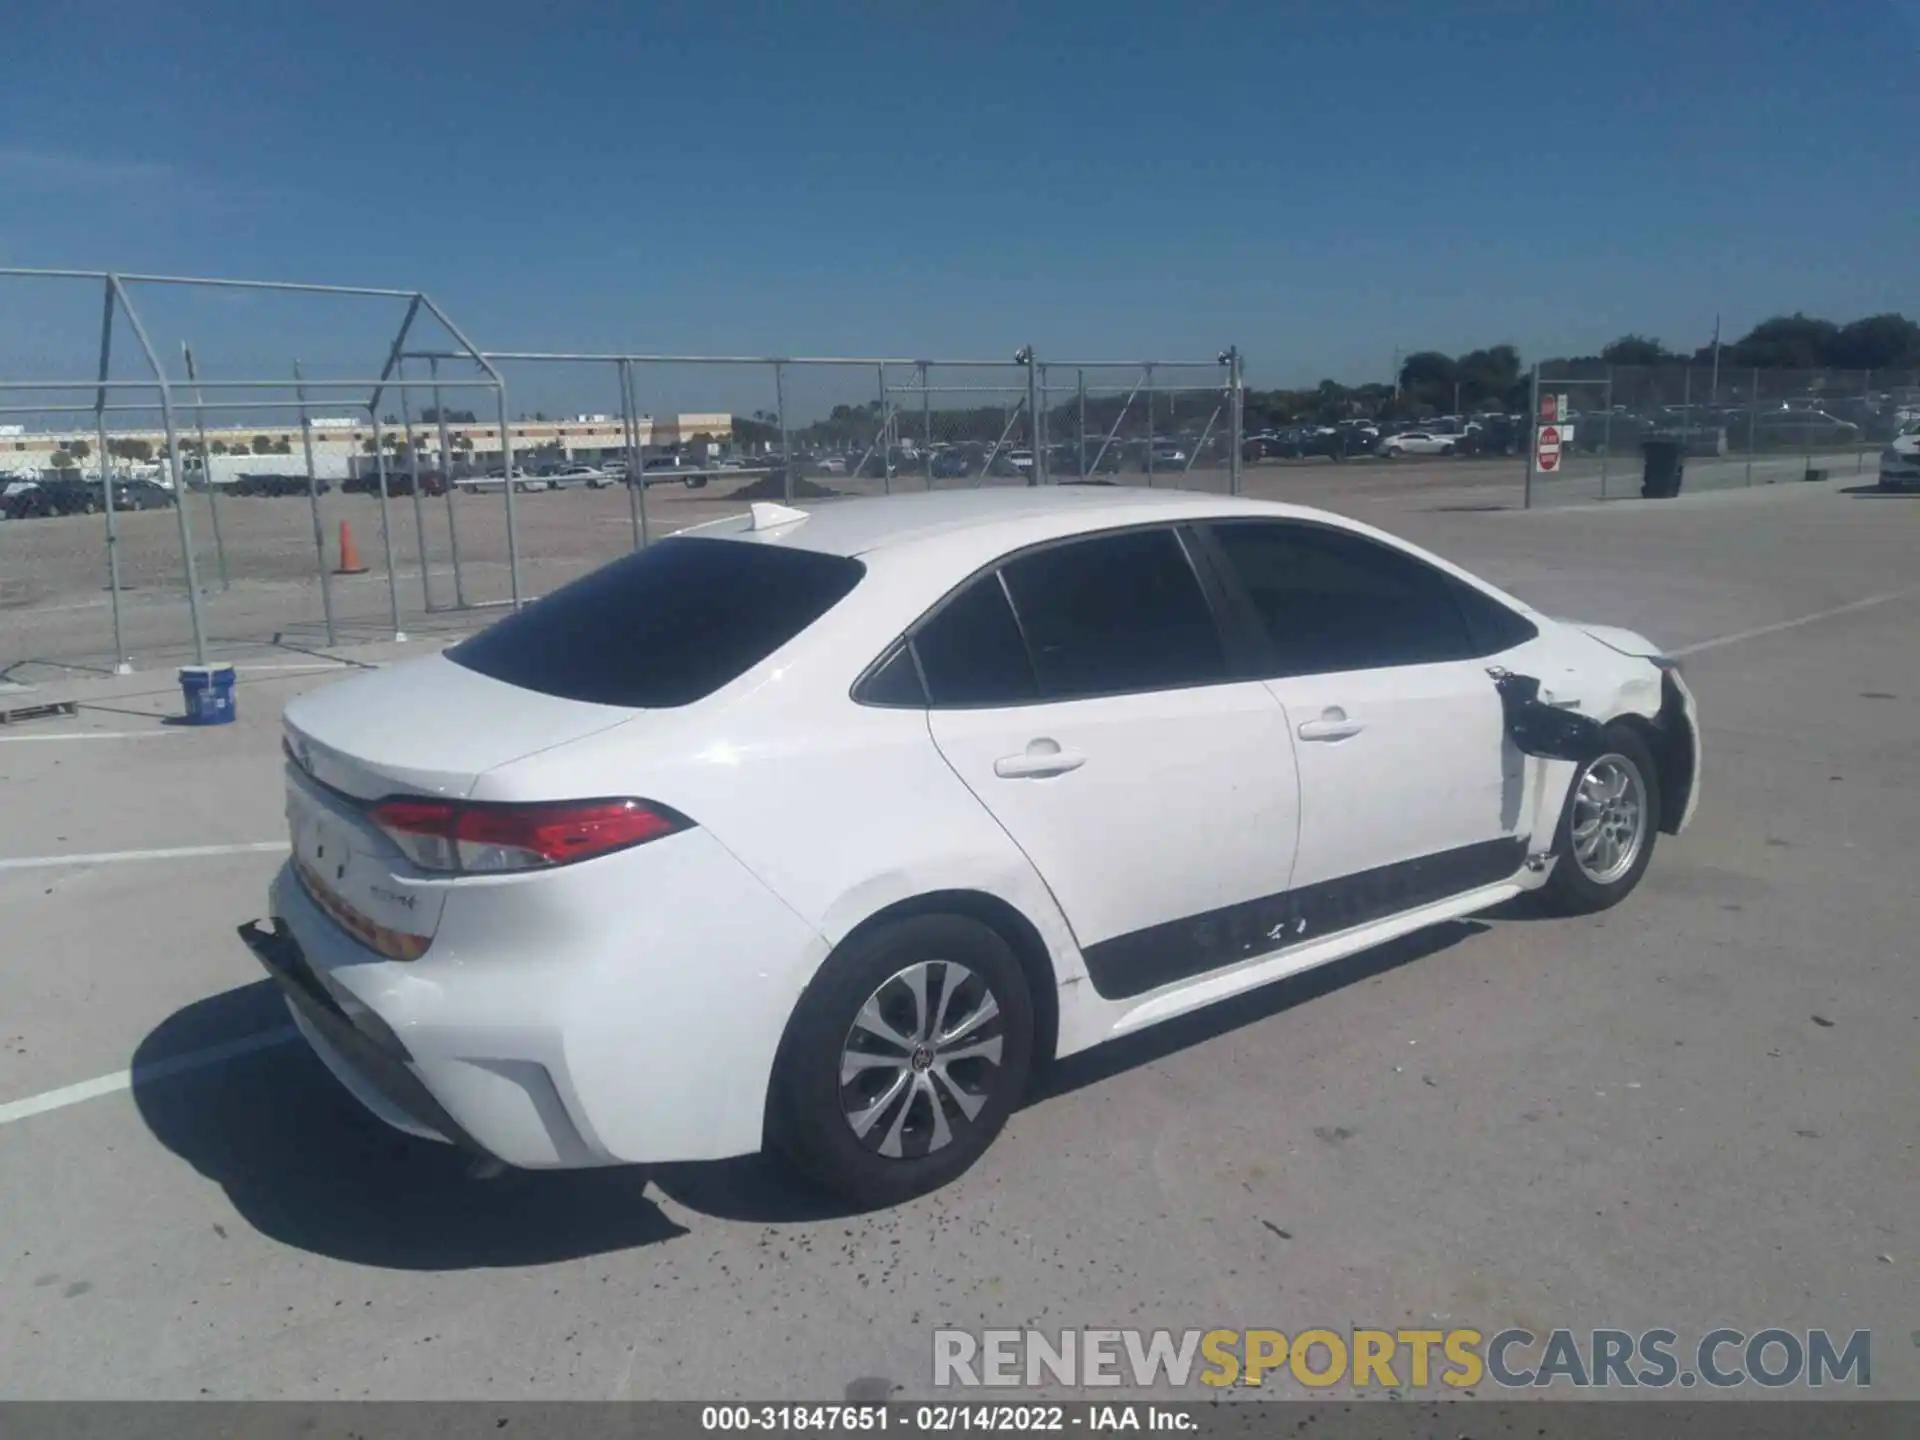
1446,450
1591,874
1394,452
696,482
868,1140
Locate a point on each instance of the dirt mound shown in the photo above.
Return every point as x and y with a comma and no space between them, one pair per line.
773,487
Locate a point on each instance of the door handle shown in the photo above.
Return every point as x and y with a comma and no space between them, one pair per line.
1333,724
1036,763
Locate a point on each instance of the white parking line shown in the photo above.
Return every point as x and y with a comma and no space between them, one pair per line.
92,735
313,665
1754,634
143,1075
115,857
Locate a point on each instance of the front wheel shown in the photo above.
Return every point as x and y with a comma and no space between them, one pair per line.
903,1059
1446,449
1394,452
1607,829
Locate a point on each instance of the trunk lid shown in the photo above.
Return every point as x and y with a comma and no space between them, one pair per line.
429,727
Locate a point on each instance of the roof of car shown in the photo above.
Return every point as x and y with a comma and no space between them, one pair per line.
864,525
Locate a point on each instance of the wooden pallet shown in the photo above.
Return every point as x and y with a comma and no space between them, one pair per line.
16,706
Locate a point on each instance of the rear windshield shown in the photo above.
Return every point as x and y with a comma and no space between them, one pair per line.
666,626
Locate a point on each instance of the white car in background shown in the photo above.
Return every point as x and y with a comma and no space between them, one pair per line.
494,482
820,831
1900,461
1418,442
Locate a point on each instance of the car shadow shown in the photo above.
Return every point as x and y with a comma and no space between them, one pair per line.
1103,1062
1528,905
304,1164
1874,492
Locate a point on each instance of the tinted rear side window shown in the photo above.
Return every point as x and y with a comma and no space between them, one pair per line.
1115,614
664,627
971,651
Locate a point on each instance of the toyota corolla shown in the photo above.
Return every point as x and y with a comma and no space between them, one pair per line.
821,831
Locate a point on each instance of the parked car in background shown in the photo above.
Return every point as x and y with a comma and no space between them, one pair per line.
252,484
20,500
569,477
951,465
65,496
1791,429
399,482
136,494
664,469
1165,455
1419,442
494,482
1356,438
1900,461
1010,464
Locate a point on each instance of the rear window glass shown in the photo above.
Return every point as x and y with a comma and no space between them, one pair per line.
664,627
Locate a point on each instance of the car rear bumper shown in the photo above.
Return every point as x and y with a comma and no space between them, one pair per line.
625,1010
1899,477
363,1055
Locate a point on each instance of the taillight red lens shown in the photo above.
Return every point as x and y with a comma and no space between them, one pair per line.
458,837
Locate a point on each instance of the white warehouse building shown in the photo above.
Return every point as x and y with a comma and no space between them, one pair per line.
340,442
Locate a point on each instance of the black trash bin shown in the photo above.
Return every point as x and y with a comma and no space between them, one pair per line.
1666,462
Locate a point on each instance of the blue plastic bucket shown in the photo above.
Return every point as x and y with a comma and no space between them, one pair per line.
208,693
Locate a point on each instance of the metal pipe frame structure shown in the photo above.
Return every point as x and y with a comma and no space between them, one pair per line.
115,291
213,507
236,395
593,357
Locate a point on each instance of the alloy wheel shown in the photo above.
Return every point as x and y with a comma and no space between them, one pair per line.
921,1059
1609,823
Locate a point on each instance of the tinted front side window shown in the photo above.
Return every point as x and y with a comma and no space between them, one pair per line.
1113,614
971,651
1332,601
666,626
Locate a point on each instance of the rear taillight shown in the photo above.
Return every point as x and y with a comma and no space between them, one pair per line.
456,837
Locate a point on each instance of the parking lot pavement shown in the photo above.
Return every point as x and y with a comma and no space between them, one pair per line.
1690,1111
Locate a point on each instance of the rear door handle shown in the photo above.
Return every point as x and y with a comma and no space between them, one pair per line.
1037,763
1333,724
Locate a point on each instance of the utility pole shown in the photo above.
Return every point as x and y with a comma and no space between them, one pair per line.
1716,360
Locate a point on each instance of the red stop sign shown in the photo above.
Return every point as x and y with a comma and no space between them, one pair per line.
1549,439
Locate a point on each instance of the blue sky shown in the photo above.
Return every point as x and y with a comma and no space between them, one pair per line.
1321,184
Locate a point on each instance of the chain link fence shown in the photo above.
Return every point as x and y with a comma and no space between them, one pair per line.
401,491
411,481
1735,427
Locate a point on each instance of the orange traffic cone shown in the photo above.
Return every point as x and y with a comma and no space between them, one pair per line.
349,553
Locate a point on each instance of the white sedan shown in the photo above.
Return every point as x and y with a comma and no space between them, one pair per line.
821,831
1418,442
1900,461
